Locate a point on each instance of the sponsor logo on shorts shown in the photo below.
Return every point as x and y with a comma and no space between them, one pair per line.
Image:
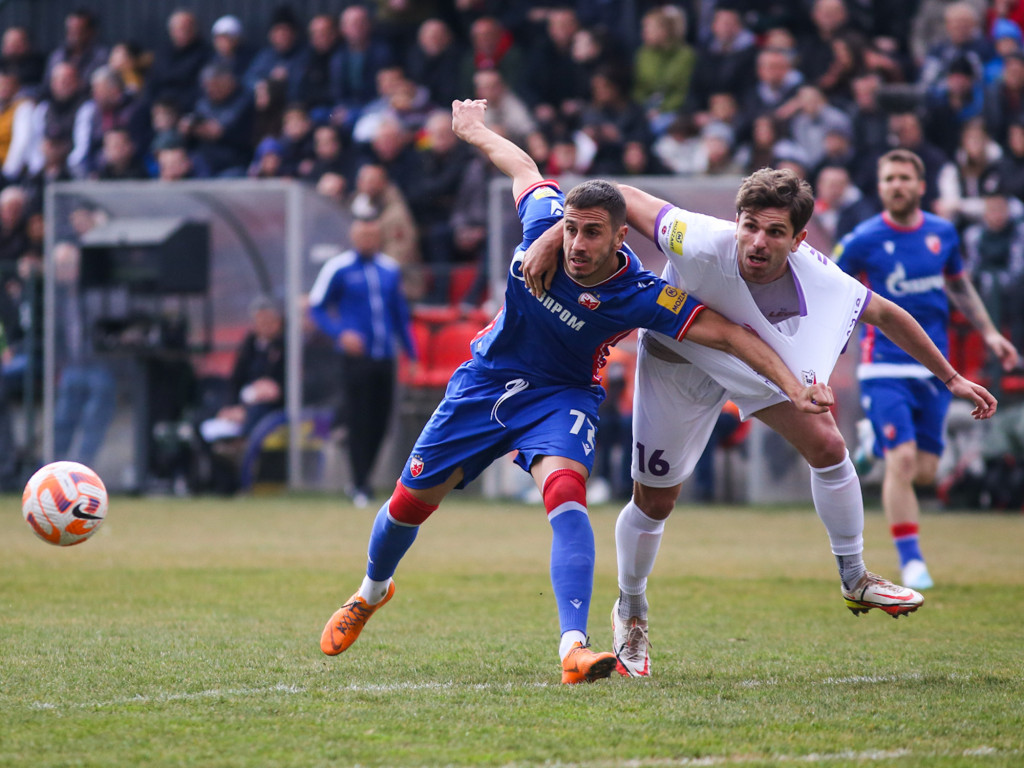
676,235
416,465
889,430
589,300
672,299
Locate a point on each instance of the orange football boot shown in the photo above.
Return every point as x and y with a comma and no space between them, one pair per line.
348,621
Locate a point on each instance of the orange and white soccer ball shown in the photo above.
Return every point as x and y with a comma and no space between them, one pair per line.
64,503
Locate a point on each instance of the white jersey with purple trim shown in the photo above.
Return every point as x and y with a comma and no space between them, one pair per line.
702,259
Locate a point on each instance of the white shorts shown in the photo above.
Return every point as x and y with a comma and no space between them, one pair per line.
676,406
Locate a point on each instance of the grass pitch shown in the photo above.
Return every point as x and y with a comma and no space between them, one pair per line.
185,633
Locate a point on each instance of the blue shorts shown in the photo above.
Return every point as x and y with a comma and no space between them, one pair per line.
904,410
481,420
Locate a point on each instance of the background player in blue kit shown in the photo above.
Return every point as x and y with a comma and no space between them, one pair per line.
533,385
913,259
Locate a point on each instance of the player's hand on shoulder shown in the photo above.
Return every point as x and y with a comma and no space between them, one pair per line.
817,398
467,114
540,262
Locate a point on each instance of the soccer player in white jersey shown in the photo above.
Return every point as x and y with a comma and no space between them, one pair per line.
759,272
913,259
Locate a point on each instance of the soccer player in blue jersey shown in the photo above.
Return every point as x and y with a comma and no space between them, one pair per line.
913,259
533,385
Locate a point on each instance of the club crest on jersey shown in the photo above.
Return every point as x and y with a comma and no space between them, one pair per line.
672,298
416,465
589,300
809,377
933,243
889,430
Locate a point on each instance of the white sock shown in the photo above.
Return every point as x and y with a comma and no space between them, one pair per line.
569,639
637,539
840,505
373,591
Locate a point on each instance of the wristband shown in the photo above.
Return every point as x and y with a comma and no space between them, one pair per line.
955,374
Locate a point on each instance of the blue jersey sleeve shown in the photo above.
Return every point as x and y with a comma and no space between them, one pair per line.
540,206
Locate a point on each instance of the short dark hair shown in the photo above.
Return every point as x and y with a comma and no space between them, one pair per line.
777,188
597,193
903,156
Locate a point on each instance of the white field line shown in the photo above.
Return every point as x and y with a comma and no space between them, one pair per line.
281,688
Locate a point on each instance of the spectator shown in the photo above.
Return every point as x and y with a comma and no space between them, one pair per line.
717,139
220,127
776,85
611,120
638,160
908,133
14,241
256,388
275,70
847,64
19,55
726,63
357,301
173,160
815,47
680,147
961,188
377,197
356,64
1008,173
118,158
552,52
434,61
1006,40
54,150
109,108
391,148
1004,97
491,48
296,142
663,66
443,160
15,121
79,48
506,112
57,116
131,65
814,119
839,205
963,38
994,257
331,170
230,46
949,105
313,85
759,152
400,99
870,122
267,161
178,63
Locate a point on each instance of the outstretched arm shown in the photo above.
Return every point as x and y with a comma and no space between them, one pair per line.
963,295
714,330
898,324
468,124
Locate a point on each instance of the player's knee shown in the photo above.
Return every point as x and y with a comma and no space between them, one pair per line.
827,449
656,503
564,486
901,463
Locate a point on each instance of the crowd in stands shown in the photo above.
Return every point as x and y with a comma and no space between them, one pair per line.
707,87
357,104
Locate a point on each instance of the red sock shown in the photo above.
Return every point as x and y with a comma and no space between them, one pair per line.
406,508
902,530
564,486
